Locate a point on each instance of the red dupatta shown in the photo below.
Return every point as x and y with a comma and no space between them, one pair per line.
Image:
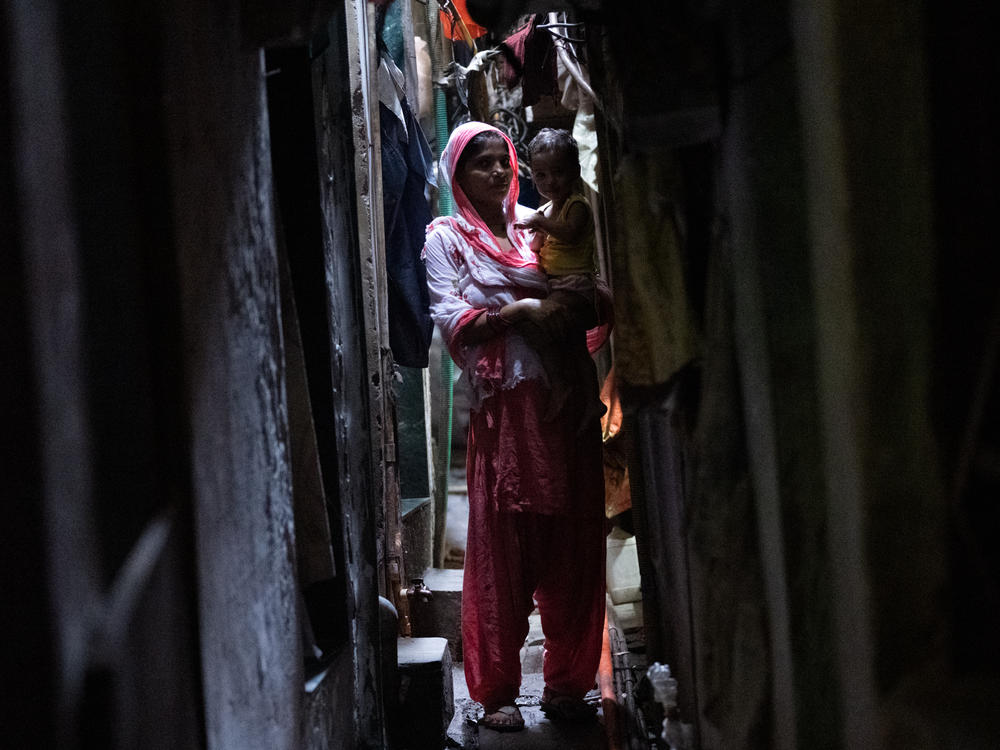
514,258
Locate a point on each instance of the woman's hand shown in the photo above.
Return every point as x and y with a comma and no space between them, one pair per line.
551,317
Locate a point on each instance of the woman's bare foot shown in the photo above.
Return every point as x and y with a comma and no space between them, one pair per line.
503,719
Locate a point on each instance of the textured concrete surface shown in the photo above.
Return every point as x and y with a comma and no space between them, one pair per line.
426,695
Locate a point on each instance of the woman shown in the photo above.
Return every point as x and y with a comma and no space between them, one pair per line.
536,487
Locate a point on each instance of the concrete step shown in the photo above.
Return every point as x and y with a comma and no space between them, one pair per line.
426,693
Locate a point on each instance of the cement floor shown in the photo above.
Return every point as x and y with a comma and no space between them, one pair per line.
539,733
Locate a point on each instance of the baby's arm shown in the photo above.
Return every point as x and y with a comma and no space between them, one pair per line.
572,229
536,238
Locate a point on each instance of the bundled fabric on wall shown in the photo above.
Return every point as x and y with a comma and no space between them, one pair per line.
390,30
657,331
407,170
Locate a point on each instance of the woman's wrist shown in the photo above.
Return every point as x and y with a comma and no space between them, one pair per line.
497,322
510,313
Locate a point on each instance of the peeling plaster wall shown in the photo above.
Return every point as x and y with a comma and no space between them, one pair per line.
224,233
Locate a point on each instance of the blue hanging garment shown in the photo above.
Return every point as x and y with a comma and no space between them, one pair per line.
407,170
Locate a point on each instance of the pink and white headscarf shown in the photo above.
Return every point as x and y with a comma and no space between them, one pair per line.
459,139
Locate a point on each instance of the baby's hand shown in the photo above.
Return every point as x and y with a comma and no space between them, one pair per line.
529,222
536,239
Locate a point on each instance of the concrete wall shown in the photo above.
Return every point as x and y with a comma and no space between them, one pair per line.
115,644
223,220
156,477
765,210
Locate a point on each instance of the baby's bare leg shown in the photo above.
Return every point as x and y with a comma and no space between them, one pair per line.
580,373
552,354
582,310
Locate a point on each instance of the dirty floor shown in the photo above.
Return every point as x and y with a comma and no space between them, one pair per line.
539,733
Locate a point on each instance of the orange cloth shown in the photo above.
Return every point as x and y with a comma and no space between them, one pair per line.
617,488
611,422
453,31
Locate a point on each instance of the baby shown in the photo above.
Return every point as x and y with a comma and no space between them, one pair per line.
565,244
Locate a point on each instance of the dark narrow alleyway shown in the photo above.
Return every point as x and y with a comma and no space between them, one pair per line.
220,428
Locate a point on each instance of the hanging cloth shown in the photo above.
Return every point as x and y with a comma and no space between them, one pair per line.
407,168
453,30
530,59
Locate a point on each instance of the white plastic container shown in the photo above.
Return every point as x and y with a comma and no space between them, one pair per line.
622,568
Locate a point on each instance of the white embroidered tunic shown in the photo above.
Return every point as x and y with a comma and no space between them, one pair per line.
465,283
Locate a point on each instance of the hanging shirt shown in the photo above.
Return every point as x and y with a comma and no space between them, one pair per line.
406,172
530,59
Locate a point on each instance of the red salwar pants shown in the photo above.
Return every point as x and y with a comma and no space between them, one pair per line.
511,559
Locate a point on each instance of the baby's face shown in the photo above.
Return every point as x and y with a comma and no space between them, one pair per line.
554,174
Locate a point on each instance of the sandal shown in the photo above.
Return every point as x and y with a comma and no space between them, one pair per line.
503,719
560,707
